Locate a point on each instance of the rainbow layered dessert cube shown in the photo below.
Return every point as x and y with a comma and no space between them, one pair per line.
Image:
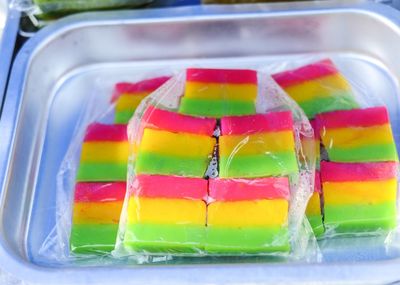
96,212
100,188
257,146
248,216
219,92
175,144
362,135
127,96
167,209
317,88
104,154
166,214
359,197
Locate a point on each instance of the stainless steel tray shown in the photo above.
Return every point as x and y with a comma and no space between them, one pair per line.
54,73
9,24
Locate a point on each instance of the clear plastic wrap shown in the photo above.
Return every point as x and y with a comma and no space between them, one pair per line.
207,203
359,167
360,178
319,87
92,178
216,167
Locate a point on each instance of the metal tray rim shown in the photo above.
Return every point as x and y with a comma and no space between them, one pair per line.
366,271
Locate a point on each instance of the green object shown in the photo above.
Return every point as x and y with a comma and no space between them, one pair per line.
123,117
165,238
216,108
97,172
93,238
340,101
247,240
360,218
370,153
150,163
55,8
249,166
316,224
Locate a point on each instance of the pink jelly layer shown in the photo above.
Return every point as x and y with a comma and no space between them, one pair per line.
162,119
148,85
271,122
234,76
249,189
316,130
99,192
317,182
305,73
353,118
161,186
102,132
333,171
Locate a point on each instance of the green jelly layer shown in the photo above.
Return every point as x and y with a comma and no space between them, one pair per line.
381,152
360,218
123,117
95,171
59,7
165,238
150,163
316,224
338,101
281,163
95,238
216,108
245,240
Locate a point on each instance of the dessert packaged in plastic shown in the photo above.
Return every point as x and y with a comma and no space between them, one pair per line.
359,167
216,167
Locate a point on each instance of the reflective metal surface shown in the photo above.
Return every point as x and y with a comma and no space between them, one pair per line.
66,62
9,22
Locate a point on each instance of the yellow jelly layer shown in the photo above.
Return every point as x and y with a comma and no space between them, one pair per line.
248,213
220,91
314,206
127,102
105,152
166,211
262,143
322,87
173,144
97,212
355,137
368,192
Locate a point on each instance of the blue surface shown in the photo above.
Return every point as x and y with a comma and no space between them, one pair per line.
175,3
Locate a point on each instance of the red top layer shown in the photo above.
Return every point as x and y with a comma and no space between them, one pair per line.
353,118
153,186
337,172
316,130
234,76
270,122
306,73
148,85
102,132
166,120
317,182
99,192
249,189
